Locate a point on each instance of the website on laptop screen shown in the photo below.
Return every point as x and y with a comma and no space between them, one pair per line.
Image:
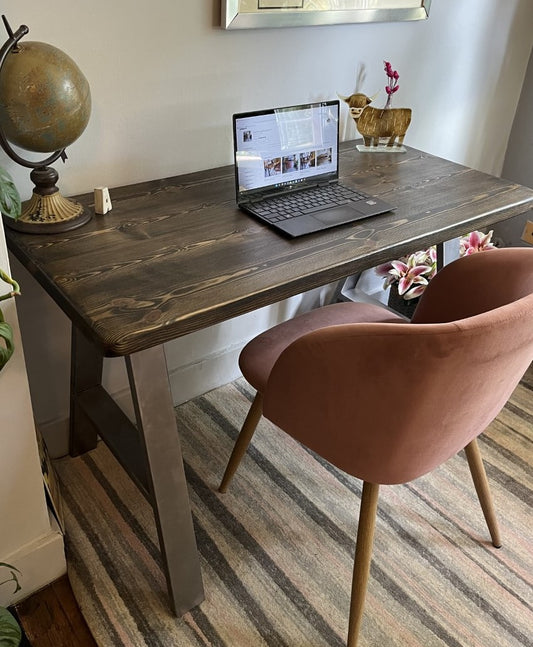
284,146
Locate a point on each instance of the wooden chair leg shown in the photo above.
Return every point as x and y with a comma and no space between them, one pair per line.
245,436
479,476
363,557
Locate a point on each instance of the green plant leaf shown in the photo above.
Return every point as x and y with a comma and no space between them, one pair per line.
10,632
14,292
9,195
6,334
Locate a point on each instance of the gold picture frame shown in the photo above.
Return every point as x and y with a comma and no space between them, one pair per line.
253,14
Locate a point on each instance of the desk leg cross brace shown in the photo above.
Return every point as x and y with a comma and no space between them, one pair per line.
150,453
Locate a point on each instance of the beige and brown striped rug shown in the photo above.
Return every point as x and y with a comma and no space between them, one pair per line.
277,549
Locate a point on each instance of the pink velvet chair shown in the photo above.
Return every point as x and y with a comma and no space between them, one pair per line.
341,379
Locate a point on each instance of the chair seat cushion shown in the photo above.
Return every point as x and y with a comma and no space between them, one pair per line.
260,354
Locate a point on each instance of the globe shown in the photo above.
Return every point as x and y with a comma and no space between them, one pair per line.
45,104
45,101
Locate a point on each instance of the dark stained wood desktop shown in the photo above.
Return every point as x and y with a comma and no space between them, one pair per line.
176,255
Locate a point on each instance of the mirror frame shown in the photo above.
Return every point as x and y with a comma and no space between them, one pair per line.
296,16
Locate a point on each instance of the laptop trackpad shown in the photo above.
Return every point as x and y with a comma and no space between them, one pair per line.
338,215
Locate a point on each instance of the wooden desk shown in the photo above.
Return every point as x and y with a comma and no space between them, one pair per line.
176,255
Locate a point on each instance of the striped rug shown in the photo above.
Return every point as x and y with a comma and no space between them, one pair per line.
277,549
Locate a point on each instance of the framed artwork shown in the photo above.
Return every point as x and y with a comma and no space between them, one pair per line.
250,14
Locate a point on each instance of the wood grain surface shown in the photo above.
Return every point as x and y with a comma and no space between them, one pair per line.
176,255
51,618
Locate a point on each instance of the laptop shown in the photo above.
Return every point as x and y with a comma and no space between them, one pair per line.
287,169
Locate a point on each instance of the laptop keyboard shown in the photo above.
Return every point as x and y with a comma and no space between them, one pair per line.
308,201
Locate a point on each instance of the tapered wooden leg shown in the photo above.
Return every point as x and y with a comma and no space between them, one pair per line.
247,431
479,476
363,557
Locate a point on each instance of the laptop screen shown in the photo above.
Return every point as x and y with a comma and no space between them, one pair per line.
281,147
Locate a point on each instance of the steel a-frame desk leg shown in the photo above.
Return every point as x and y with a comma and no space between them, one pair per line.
86,364
156,422
150,452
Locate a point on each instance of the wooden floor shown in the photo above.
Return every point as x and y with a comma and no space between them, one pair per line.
52,618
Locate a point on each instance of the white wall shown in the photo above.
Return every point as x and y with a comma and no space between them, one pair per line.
165,80
27,539
518,163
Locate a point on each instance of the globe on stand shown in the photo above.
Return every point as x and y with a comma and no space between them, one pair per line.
45,104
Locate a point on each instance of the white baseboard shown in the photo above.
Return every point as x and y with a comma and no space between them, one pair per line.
187,382
190,381
40,562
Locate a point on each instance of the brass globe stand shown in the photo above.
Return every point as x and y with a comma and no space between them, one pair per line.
47,211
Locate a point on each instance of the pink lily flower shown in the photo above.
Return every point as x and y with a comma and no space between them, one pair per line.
412,273
416,291
384,269
476,241
409,274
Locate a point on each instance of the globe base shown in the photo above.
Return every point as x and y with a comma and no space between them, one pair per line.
48,214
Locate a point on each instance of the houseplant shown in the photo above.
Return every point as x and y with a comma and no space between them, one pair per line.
409,276
10,206
9,195
407,279
6,332
10,631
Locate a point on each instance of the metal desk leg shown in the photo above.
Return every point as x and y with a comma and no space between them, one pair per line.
85,373
447,252
156,422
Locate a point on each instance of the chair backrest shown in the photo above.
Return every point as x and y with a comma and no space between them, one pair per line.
387,402
475,284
